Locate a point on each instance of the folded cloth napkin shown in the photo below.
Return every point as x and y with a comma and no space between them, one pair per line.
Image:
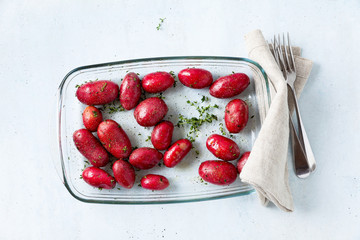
266,168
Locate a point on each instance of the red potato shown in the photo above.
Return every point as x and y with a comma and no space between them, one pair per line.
222,147
97,177
154,182
229,86
124,173
92,117
98,92
161,136
177,152
130,91
157,82
241,163
150,111
218,172
90,147
236,115
114,139
145,158
195,78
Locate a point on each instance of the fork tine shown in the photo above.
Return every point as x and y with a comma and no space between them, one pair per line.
286,51
270,47
291,53
276,52
280,56
273,51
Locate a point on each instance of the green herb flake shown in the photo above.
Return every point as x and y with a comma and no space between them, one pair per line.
160,96
204,99
172,73
100,188
103,87
95,114
148,139
222,130
124,149
195,123
160,23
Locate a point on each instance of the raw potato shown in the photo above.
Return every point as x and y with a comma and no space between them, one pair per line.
98,92
130,91
114,139
157,82
124,173
222,147
177,152
241,163
97,177
145,158
229,86
218,172
90,147
92,117
154,182
236,115
150,111
195,78
161,136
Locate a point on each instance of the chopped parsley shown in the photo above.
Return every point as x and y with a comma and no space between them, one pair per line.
160,23
103,87
222,130
196,122
204,99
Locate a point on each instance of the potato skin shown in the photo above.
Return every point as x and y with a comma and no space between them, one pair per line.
157,82
218,172
177,152
229,86
154,182
98,92
92,117
145,158
124,173
90,147
130,91
114,139
236,115
161,136
195,78
241,163
150,111
222,147
97,177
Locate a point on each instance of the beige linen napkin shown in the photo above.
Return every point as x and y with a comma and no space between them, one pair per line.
266,168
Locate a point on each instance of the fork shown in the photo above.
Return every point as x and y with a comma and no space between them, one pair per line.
304,160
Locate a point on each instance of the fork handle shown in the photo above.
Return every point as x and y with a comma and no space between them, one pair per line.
302,133
300,162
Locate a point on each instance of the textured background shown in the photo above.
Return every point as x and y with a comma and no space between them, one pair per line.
40,41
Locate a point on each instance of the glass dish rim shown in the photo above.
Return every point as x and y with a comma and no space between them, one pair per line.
109,64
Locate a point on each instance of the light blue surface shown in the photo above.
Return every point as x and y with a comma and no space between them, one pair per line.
40,41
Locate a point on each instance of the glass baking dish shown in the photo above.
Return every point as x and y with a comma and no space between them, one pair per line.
185,183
